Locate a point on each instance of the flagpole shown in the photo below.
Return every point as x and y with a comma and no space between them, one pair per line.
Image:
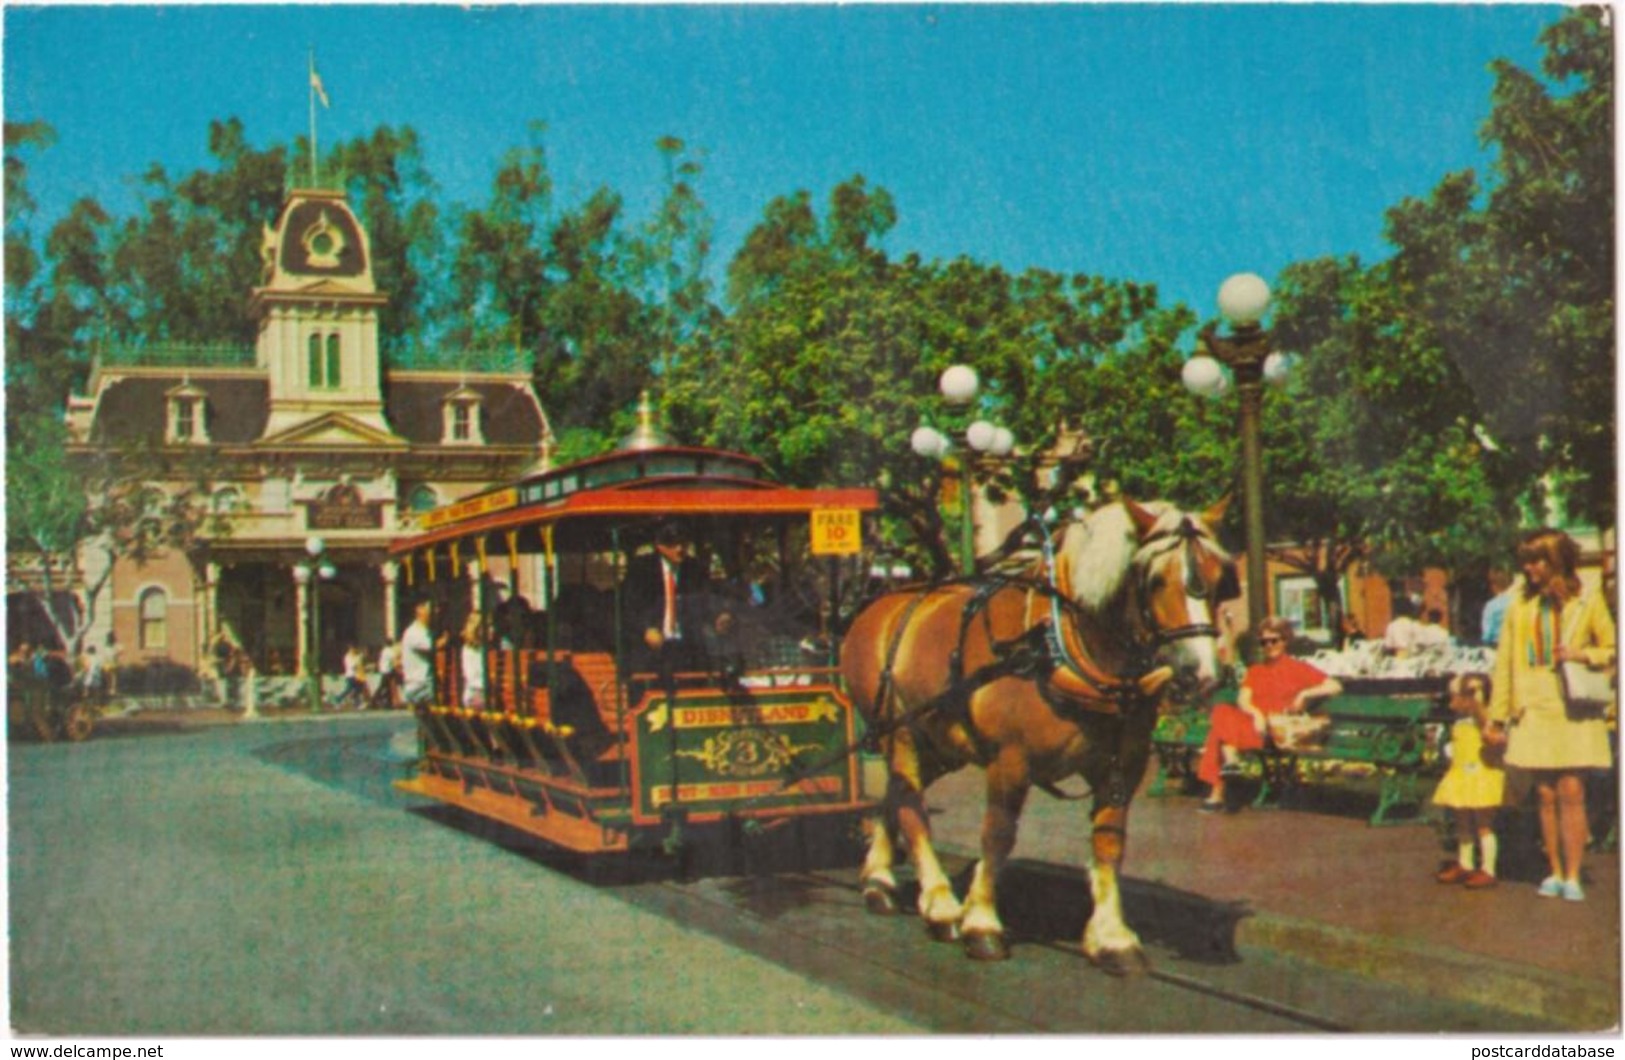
311,89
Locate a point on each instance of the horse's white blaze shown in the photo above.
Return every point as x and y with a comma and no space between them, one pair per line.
1202,652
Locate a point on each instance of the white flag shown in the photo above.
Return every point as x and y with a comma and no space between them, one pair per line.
316,86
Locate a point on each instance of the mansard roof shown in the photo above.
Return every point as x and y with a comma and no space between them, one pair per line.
509,414
132,408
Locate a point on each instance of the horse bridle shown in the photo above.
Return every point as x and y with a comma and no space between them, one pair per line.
1184,536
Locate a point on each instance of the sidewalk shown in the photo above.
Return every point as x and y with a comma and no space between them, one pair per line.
1320,884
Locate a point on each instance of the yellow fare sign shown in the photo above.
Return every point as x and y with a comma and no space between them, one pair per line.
836,532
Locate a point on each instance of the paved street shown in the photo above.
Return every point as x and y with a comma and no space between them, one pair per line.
194,884
265,879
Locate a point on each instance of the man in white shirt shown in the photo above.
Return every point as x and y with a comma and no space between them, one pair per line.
1399,640
1431,634
417,658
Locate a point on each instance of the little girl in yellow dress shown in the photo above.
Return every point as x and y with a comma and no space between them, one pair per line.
1473,787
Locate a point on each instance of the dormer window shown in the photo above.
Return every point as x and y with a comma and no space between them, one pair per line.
462,417
184,422
326,372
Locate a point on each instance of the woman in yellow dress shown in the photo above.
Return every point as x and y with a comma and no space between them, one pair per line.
1473,787
1549,621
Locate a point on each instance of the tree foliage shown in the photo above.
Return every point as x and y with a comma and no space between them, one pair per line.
1443,392
76,518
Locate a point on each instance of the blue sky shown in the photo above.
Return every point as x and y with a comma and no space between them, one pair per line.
1172,144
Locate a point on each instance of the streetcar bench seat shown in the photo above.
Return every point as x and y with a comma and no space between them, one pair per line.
573,698
1391,738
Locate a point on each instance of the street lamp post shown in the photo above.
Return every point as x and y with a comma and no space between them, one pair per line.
959,387
1245,350
311,575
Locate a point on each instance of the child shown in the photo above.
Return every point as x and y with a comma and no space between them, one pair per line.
1473,786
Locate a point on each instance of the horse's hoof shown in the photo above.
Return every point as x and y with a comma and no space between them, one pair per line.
879,900
986,946
1122,962
945,932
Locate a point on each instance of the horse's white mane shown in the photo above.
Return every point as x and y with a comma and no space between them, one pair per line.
1100,550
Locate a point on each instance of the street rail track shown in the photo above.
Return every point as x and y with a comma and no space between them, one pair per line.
798,905
1192,984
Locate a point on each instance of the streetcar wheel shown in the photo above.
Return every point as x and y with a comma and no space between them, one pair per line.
77,725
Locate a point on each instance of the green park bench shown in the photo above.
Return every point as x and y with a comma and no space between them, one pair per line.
1177,741
1393,737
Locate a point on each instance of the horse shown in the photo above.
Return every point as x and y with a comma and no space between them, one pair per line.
1036,678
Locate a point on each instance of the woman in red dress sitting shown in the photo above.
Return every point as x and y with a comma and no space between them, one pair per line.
1280,684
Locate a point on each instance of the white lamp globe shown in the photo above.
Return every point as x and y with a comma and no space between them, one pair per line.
1277,367
328,572
958,384
928,442
315,545
301,574
1003,442
1203,376
979,435
1243,298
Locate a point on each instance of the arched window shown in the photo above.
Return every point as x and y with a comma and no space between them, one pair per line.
335,375
154,608
461,410
322,353
228,500
315,362
423,499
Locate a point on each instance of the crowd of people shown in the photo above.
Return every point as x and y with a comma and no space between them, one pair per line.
1516,727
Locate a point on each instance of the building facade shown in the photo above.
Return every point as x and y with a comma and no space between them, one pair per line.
310,443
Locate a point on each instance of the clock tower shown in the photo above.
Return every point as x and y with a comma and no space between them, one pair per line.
318,323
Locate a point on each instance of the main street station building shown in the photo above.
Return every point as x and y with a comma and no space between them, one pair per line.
309,438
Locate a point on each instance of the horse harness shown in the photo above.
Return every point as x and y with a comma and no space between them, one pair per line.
1180,537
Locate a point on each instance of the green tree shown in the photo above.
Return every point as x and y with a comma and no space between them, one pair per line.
1516,273
387,184
75,514
36,372
179,270
1374,449
831,357
501,276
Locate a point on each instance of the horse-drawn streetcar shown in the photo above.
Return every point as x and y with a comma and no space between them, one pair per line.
643,651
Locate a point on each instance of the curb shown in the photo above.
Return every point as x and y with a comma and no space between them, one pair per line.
1438,971
1208,929
214,720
